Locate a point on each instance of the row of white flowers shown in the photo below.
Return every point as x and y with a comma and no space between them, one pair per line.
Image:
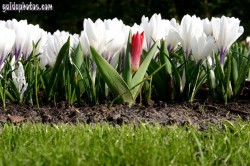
109,37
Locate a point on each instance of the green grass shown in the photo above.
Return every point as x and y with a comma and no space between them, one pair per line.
101,144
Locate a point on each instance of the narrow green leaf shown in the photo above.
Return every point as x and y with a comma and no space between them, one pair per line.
78,56
139,75
30,78
77,61
168,84
163,58
219,71
234,70
62,53
127,72
15,91
200,79
176,77
7,93
88,81
59,82
36,83
159,79
243,66
116,84
228,88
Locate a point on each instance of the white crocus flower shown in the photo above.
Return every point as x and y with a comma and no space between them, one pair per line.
18,77
135,28
108,37
42,38
7,40
172,40
248,41
113,24
115,39
189,27
54,45
92,35
42,42
34,35
226,30
202,46
212,74
2,24
20,28
207,27
154,29
74,40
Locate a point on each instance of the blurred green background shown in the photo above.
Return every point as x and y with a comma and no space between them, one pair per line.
69,14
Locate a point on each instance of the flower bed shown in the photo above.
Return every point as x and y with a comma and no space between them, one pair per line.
159,59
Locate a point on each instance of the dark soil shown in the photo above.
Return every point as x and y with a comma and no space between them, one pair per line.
199,114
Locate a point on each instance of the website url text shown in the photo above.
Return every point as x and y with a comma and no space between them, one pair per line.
12,6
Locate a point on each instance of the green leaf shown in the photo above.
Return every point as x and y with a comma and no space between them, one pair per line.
240,55
199,79
176,75
36,82
89,83
234,70
163,58
162,80
159,79
127,73
116,84
62,53
78,56
139,75
77,61
14,90
30,79
228,88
